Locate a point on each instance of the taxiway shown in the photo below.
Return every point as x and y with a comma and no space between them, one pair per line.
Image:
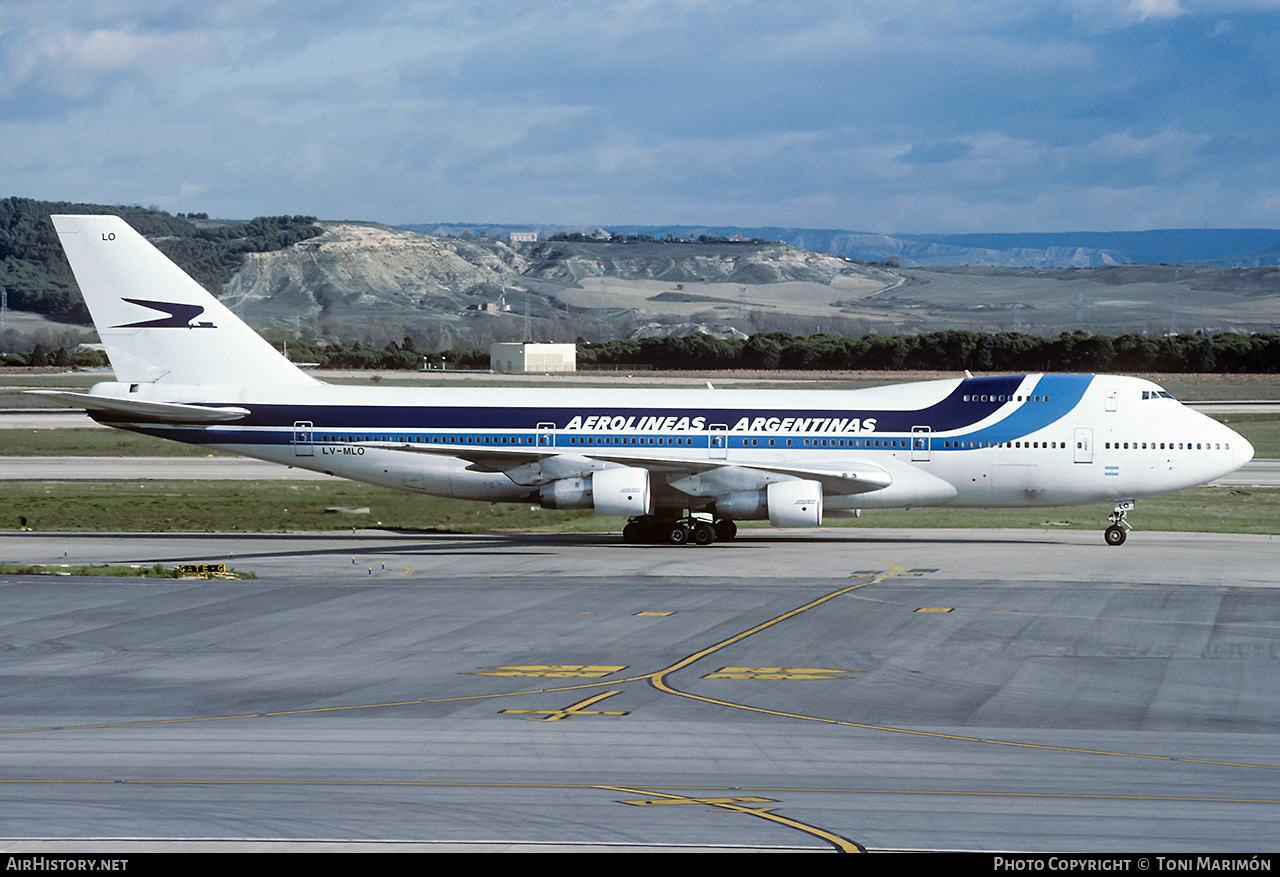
973,690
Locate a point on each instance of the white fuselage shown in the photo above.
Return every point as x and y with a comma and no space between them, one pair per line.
1033,440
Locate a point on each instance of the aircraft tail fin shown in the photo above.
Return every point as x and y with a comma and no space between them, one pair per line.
157,324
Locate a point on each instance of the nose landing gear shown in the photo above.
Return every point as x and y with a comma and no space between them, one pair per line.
1116,533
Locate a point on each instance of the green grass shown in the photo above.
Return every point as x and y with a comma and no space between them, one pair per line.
272,506
91,442
133,570
262,506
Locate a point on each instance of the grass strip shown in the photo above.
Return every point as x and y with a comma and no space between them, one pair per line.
133,570
274,506
94,443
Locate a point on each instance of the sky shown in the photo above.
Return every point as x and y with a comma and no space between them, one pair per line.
936,116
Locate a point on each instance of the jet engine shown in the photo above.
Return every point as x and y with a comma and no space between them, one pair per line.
623,490
785,504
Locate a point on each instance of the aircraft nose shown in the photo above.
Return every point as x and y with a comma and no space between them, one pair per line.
1242,449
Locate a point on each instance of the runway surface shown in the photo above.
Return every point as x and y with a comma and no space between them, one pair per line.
974,690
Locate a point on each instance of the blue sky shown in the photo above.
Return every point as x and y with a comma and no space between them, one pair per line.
901,116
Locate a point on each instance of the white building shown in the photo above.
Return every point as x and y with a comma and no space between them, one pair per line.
523,237
533,357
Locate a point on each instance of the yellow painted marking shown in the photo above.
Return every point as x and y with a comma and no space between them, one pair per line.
951,793
777,673
844,845
655,613
653,802
569,712
552,671
657,679
934,609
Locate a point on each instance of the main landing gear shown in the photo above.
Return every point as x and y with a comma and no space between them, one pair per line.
1116,533
679,531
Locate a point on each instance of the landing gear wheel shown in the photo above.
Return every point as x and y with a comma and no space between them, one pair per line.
726,530
703,533
678,534
1115,534
633,533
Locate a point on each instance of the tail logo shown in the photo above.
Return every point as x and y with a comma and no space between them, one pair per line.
180,316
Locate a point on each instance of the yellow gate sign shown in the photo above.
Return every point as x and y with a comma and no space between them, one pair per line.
202,570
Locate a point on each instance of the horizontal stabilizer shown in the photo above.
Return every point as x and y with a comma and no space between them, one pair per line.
137,409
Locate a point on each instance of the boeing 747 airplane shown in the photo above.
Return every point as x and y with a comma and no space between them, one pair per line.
682,465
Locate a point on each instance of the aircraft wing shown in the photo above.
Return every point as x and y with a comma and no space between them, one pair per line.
155,412
849,477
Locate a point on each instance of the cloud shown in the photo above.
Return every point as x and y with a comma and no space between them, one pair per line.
71,64
1147,9
754,112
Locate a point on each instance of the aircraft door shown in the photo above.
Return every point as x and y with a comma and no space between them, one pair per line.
718,444
921,444
546,435
1113,399
1084,445
302,446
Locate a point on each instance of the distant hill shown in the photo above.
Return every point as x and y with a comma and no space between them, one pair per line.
470,286
467,285
379,284
37,277
1220,247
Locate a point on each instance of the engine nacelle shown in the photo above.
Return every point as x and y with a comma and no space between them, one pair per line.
620,491
795,504
785,504
566,493
743,505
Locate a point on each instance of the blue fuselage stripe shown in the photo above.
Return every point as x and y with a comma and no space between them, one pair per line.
973,401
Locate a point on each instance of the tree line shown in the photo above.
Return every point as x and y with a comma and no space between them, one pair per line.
35,272
950,350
